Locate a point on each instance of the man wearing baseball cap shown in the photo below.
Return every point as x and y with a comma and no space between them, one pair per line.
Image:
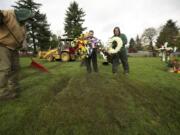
12,34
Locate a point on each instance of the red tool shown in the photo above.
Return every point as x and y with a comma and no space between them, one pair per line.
36,65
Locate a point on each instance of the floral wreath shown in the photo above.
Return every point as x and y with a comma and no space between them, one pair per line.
82,45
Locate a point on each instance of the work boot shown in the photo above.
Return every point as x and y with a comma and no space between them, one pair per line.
8,95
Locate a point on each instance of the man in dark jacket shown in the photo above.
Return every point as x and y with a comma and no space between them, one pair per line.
122,53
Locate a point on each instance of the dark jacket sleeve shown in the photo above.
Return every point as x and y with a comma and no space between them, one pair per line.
124,39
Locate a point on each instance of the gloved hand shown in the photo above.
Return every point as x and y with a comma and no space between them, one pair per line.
1,17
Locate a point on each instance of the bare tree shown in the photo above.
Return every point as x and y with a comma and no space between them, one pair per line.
148,37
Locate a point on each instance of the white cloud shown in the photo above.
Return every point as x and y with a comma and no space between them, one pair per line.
132,16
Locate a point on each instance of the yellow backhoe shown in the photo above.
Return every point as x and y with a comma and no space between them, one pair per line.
64,52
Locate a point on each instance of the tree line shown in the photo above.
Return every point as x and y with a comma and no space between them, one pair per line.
39,36
154,38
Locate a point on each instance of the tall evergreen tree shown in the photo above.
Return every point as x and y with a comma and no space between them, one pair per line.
74,20
43,33
38,33
131,43
132,46
138,45
177,40
169,34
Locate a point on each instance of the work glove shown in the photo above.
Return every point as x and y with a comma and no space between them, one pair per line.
1,18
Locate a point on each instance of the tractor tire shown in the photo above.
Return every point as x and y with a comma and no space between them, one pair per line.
65,56
50,58
73,57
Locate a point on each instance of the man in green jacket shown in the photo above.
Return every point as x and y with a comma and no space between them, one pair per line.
122,53
12,34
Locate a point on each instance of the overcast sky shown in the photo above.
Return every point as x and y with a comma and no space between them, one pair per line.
132,16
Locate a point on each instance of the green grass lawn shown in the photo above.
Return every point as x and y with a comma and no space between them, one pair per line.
68,101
